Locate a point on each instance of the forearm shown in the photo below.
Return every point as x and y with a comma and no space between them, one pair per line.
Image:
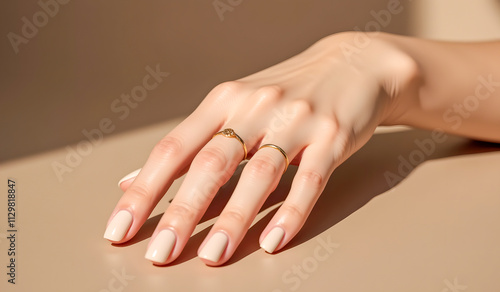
457,88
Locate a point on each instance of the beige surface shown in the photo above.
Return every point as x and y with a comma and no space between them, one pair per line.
436,230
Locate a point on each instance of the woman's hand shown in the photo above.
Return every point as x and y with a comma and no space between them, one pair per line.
319,107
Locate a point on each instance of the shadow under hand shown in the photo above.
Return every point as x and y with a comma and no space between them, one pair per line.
377,167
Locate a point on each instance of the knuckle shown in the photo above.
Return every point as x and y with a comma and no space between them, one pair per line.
211,160
270,92
301,107
167,147
234,215
262,167
293,211
182,210
204,193
139,192
228,86
224,90
260,101
311,178
328,126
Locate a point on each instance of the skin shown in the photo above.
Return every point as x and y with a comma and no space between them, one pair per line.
320,106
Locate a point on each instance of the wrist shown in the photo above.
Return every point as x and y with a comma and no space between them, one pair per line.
384,59
400,76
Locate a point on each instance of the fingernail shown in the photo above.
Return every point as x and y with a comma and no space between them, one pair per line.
214,248
129,176
272,239
162,245
118,226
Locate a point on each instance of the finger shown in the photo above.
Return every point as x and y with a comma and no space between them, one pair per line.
309,182
211,168
170,155
125,182
258,179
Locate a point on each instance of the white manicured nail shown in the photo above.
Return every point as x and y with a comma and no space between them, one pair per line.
118,226
129,176
272,239
214,248
162,245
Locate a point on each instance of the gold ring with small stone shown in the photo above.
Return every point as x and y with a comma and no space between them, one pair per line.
230,133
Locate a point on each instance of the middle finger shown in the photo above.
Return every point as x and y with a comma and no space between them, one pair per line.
211,168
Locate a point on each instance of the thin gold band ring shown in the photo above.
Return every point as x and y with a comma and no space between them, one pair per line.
230,133
280,150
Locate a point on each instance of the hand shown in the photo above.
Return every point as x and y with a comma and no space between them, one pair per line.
319,107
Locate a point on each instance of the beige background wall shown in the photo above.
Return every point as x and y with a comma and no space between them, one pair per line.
462,20
66,76
457,19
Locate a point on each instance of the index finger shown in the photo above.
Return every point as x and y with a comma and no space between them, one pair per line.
170,156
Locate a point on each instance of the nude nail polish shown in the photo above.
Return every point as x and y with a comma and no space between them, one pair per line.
133,174
118,226
161,246
214,248
272,239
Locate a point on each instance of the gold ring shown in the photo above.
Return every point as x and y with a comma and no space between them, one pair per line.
280,150
230,133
